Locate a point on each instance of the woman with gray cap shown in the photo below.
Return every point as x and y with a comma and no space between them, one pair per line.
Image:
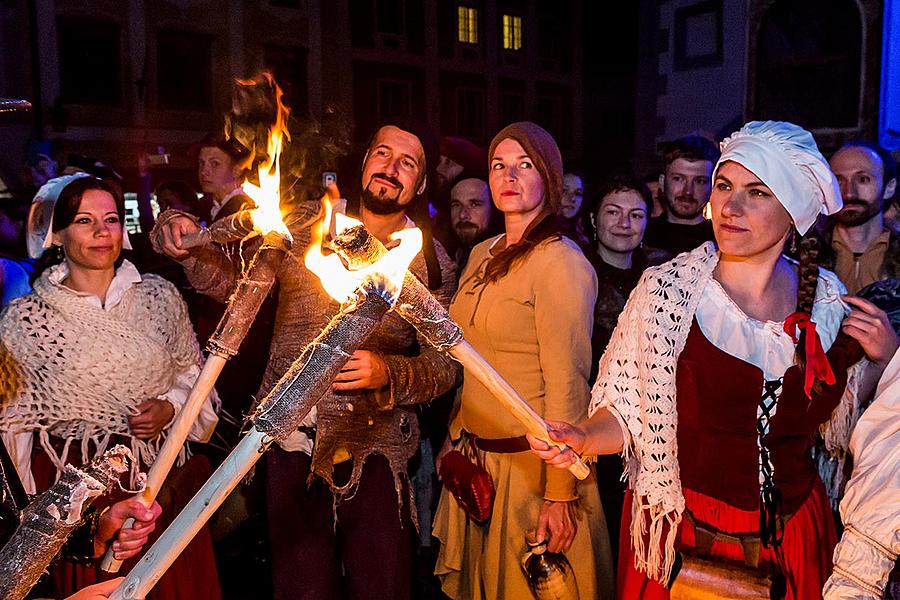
525,302
726,363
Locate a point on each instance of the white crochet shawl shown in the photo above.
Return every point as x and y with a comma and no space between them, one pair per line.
77,371
637,384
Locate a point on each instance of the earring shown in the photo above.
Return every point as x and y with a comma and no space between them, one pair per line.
58,253
794,242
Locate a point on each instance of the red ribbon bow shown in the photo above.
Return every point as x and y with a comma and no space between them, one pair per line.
817,365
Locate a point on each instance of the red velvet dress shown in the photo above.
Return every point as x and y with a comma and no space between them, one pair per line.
718,457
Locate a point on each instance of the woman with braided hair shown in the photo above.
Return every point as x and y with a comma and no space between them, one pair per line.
98,355
726,363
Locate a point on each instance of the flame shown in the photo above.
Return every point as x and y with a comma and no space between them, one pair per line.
266,215
343,284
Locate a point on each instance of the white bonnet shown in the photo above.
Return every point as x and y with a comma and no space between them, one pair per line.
785,157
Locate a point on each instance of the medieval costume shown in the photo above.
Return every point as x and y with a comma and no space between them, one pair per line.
719,424
341,480
72,370
870,509
881,260
533,325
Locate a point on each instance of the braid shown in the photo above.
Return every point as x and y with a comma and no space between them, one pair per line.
808,279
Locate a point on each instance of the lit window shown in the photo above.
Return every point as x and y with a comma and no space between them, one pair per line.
468,25
512,32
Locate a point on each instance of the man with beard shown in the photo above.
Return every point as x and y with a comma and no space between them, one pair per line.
685,184
471,216
337,491
863,249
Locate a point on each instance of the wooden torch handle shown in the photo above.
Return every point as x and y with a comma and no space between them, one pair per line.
475,364
175,438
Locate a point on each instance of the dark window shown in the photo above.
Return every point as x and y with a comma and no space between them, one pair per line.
808,63
288,66
184,70
394,99
470,113
90,62
362,23
512,108
389,16
286,3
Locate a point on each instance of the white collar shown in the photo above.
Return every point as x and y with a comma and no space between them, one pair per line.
126,276
765,344
217,206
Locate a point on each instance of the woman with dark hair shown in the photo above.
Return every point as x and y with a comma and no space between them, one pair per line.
619,222
725,365
96,355
525,302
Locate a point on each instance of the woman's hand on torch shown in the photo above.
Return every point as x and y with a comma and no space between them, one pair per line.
125,542
572,436
364,371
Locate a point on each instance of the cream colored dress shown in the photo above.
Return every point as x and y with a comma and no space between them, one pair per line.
534,327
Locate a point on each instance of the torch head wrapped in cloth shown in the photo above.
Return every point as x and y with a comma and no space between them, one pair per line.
248,296
49,520
366,295
360,249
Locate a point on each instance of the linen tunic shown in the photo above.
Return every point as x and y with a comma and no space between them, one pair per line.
533,326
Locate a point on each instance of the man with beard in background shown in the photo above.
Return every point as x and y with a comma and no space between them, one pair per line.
337,489
686,184
472,216
863,250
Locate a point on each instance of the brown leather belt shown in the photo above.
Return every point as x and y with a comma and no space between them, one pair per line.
502,445
706,535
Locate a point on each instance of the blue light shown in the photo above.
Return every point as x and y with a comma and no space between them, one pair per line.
889,113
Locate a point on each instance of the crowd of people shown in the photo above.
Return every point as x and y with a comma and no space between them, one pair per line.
697,344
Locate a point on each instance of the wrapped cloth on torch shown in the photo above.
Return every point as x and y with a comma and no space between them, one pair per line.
278,415
48,521
243,306
422,310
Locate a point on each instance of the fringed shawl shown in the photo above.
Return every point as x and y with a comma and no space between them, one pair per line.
637,384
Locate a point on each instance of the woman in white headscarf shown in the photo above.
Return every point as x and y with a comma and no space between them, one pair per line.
725,364
96,355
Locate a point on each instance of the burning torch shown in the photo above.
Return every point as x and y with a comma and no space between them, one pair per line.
243,305
371,293
422,310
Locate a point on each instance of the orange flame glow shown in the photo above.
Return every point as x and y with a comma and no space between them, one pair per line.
267,195
341,283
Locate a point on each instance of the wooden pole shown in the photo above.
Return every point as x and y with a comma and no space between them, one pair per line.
191,519
421,309
482,370
175,439
278,415
243,306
